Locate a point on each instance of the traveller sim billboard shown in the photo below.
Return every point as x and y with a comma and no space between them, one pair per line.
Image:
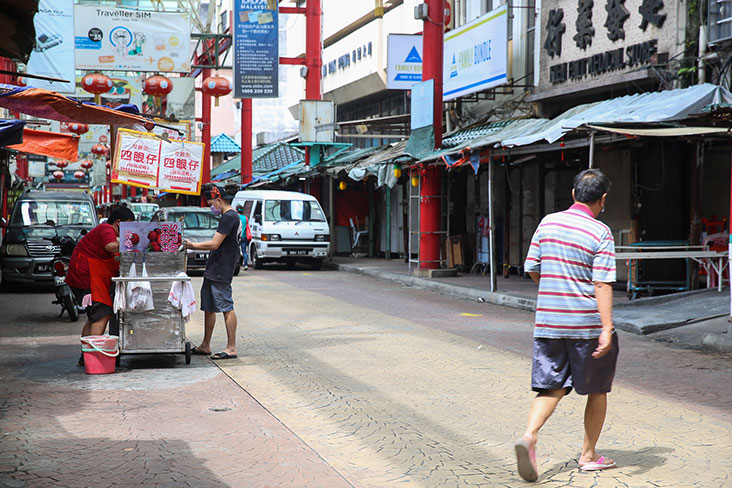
476,55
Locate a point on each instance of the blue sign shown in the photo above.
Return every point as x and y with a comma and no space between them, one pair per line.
256,49
423,102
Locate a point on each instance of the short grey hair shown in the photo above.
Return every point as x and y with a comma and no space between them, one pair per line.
590,185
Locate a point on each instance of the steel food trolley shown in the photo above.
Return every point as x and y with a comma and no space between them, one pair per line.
161,330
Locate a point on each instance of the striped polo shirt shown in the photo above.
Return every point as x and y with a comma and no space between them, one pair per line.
571,250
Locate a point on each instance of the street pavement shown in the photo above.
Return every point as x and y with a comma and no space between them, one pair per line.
345,380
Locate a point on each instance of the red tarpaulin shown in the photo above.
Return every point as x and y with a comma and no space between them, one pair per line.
48,104
43,143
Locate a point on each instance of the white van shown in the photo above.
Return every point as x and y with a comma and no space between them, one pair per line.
286,226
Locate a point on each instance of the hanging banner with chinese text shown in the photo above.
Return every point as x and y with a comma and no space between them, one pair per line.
145,160
256,49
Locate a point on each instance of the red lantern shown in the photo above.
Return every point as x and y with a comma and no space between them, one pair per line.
108,164
216,86
157,86
103,139
86,164
79,175
61,164
78,128
96,83
99,150
58,175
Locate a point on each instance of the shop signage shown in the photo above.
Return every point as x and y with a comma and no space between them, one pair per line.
256,49
146,160
53,55
345,60
619,18
423,102
109,38
476,55
404,64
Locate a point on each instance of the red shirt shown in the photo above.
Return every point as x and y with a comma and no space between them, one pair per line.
90,246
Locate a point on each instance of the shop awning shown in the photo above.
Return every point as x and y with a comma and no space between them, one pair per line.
648,108
44,143
48,104
11,132
662,131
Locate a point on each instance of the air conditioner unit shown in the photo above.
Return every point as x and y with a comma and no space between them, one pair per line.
261,139
720,21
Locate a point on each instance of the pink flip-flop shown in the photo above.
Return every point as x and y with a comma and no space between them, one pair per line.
601,463
526,460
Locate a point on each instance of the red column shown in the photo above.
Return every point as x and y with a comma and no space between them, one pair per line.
206,134
313,48
133,191
246,141
429,206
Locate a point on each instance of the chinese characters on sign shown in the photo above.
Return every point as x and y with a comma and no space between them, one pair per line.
585,31
614,59
150,236
554,30
144,160
256,49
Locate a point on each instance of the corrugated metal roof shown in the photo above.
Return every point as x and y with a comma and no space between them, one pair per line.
265,159
224,144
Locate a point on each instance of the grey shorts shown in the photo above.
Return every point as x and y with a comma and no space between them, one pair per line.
216,296
568,363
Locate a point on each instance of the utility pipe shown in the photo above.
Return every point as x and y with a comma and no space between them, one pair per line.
246,141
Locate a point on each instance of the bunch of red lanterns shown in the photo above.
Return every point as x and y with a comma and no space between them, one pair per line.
100,150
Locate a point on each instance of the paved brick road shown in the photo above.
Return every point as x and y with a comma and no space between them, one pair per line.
345,381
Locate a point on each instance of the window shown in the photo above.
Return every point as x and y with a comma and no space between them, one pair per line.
530,41
258,212
292,211
196,221
42,212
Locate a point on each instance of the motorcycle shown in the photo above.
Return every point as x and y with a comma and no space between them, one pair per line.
59,267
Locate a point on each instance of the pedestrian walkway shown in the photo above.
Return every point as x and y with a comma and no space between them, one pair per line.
640,316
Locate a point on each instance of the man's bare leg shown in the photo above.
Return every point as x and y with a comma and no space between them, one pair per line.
86,330
231,323
594,419
209,321
541,409
99,326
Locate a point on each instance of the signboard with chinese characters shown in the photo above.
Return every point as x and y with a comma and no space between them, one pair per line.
53,55
150,236
404,64
600,42
476,55
256,49
109,38
146,160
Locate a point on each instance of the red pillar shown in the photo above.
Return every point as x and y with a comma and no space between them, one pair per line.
313,48
206,134
133,191
246,141
429,206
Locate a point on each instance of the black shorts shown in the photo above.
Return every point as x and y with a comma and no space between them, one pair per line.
568,363
216,296
97,310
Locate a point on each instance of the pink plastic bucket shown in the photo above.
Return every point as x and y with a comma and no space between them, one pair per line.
100,354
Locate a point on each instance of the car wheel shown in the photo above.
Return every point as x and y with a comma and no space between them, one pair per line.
316,264
256,260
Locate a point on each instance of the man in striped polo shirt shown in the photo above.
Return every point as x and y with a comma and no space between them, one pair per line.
572,257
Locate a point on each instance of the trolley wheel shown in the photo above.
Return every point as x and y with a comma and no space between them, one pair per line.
188,352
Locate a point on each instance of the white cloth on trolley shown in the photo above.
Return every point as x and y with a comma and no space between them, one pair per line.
182,297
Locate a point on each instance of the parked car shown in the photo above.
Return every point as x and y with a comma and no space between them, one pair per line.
143,211
199,224
38,216
286,226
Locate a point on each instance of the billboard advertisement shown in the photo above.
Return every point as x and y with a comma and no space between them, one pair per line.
256,49
476,55
53,55
109,38
404,61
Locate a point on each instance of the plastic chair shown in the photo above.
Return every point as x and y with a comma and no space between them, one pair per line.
356,233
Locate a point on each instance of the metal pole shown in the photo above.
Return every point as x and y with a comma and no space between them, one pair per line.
246,141
388,222
592,149
313,48
491,224
331,210
206,134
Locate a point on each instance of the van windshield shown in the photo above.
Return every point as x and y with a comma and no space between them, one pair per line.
53,212
196,220
292,211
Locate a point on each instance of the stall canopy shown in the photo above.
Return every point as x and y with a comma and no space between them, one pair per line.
48,104
11,132
44,143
